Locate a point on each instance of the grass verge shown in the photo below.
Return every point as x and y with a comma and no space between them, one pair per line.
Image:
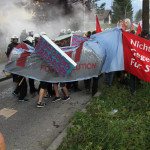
100,129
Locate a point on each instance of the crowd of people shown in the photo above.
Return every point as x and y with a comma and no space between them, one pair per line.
47,90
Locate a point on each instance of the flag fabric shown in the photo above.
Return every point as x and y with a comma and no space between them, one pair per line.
108,44
136,56
132,26
20,53
139,29
88,65
109,51
98,28
54,56
77,40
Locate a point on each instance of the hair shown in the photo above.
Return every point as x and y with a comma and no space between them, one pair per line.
89,34
132,31
94,32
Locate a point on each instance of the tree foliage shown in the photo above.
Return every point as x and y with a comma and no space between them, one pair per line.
121,9
138,16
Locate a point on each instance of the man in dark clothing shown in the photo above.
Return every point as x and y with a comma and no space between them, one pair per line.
30,41
14,43
21,90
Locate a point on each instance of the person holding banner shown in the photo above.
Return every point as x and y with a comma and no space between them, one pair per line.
43,88
21,90
14,43
64,90
134,79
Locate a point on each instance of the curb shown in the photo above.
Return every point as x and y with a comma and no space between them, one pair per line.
59,139
5,78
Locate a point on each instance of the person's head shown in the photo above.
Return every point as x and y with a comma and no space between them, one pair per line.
42,33
36,37
132,31
14,39
88,34
29,40
31,33
24,30
68,31
144,34
94,32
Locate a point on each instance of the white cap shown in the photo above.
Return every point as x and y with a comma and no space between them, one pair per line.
68,31
42,33
14,37
36,35
63,31
30,39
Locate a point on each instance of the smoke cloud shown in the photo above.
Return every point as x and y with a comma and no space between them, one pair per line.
14,17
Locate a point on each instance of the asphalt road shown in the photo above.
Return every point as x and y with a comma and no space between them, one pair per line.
26,127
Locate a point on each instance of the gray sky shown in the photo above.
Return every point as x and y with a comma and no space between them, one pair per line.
137,4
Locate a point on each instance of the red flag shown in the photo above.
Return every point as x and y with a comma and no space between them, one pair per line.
139,30
98,28
136,55
132,27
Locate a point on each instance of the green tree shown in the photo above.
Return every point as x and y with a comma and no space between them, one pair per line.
121,9
145,15
94,5
138,16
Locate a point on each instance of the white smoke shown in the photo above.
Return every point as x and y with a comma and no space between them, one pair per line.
14,18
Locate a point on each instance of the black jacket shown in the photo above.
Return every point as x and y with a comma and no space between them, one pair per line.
10,47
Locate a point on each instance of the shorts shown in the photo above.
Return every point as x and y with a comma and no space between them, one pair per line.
62,84
43,85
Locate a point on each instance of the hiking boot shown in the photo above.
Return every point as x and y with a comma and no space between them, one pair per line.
40,104
56,99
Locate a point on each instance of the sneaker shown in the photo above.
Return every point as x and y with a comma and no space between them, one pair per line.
15,95
23,100
47,96
56,99
40,104
66,98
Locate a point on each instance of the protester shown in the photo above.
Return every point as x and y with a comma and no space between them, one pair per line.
134,79
87,82
30,33
64,90
95,79
109,78
43,87
73,85
36,39
14,43
21,90
30,41
23,35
